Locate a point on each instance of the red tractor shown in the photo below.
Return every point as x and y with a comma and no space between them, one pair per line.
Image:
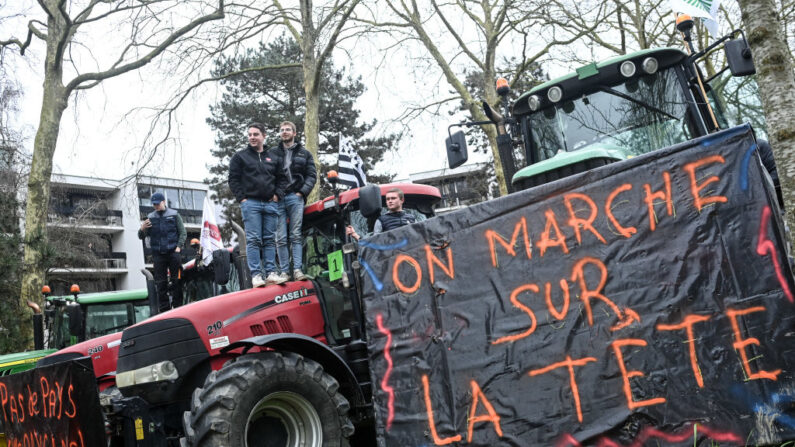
285,363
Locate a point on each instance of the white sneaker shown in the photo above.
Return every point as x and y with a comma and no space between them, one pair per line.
257,281
284,277
298,275
275,278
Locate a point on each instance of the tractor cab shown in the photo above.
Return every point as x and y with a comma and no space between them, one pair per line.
331,260
72,319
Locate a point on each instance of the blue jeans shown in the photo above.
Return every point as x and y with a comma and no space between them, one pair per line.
260,219
292,216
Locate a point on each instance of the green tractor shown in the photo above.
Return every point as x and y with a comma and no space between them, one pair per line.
614,110
70,319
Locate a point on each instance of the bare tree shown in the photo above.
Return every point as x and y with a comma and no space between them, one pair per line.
150,29
776,87
13,162
317,31
487,24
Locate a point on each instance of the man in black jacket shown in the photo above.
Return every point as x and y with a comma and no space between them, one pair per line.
257,180
166,234
301,175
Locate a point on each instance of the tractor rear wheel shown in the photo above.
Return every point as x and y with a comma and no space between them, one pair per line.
268,399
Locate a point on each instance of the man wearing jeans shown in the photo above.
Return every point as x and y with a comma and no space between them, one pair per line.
256,178
166,234
301,175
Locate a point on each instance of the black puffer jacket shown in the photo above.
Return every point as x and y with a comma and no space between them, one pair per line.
257,175
302,169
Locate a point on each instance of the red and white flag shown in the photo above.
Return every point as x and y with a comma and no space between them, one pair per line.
211,236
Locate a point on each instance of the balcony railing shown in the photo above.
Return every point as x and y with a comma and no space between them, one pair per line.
101,261
72,216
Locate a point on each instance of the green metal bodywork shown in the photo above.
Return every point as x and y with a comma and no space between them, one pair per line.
22,361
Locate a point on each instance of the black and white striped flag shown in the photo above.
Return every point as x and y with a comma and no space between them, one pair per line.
351,166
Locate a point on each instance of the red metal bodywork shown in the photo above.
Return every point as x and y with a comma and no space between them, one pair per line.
409,189
236,315
290,307
104,352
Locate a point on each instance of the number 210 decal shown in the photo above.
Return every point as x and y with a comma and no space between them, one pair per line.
214,328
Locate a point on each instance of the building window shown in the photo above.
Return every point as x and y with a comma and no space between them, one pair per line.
198,199
178,198
172,198
186,199
144,195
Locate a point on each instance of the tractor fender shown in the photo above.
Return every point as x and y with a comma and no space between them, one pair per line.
310,348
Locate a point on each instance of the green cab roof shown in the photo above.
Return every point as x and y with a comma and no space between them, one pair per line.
606,72
105,297
604,63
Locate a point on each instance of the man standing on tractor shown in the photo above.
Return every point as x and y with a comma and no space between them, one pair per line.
166,234
257,181
394,218
299,169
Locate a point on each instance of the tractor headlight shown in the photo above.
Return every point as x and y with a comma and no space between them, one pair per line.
650,65
534,102
148,374
555,94
627,68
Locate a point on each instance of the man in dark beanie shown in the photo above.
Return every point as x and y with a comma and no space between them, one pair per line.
166,234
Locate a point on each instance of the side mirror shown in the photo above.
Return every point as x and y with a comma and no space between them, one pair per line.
456,149
370,201
738,55
75,313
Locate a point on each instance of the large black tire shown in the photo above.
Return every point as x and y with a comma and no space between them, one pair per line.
268,399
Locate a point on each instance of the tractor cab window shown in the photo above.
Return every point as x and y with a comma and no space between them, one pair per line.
103,319
637,116
735,101
323,238
59,336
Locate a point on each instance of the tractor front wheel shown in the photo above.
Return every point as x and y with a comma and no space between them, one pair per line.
268,399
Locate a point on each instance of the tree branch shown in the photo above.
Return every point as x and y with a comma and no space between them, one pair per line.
99,76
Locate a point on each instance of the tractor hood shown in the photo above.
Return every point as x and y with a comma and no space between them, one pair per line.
103,351
185,338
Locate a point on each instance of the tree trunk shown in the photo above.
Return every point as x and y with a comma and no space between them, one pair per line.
312,120
777,89
53,104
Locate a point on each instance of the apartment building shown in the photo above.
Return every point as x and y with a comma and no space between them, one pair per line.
93,225
460,187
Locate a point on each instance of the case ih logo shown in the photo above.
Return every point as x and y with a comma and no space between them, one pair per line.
291,296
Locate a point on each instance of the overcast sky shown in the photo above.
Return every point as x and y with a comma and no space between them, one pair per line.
100,137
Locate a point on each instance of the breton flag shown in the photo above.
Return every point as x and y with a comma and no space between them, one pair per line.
351,166
211,237
705,9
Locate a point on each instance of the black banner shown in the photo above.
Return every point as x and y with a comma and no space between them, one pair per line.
53,406
648,302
